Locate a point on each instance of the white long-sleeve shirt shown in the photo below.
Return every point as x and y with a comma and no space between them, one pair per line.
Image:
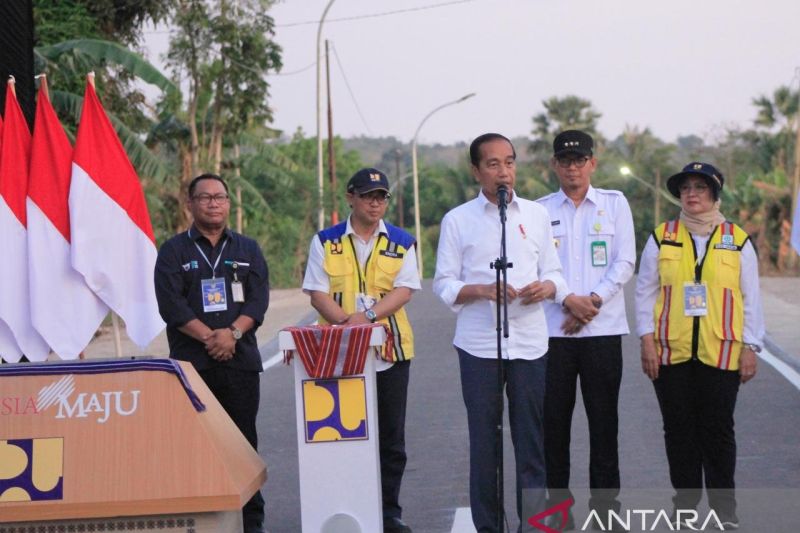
602,219
469,242
647,287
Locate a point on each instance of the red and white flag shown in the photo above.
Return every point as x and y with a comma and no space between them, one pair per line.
63,308
113,245
15,302
9,351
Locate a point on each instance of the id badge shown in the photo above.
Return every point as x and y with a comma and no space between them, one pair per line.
364,302
214,296
695,302
599,254
237,292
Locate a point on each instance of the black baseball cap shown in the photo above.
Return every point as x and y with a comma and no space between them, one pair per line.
573,142
713,176
367,180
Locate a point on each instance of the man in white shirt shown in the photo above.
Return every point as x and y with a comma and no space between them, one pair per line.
365,270
469,242
594,236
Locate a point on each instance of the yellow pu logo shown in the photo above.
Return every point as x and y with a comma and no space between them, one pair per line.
31,469
335,409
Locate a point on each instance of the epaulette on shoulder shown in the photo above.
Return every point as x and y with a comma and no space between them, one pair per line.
333,233
400,236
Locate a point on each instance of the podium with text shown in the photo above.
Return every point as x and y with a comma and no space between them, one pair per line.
119,445
337,425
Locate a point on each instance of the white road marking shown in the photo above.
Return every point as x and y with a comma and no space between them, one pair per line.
462,521
788,372
272,361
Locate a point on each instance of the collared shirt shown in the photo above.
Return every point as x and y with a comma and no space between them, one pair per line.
469,242
316,279
647,287
180,269
601,225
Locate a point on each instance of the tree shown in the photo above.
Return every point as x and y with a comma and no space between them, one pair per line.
561,113
779,113
98,21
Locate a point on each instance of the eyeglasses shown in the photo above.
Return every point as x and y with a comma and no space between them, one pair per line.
205,199
699,188
374,197
565,162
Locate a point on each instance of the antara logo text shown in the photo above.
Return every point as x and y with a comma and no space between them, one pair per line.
554,520
61,395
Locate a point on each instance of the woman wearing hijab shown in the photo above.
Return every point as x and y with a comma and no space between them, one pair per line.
698,314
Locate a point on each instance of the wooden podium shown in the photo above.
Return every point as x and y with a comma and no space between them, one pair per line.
337,445
131,445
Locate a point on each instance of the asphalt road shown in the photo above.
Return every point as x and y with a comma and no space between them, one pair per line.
436,479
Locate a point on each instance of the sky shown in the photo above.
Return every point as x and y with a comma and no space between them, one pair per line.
678,67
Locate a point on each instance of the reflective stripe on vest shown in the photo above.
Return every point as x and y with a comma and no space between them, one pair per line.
378,277
719,333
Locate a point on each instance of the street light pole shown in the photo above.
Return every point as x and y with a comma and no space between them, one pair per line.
628,173
320,179
415,175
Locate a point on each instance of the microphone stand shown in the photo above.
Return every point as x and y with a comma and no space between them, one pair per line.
501,266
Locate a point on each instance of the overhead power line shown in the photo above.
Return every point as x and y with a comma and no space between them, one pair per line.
350,90
375,15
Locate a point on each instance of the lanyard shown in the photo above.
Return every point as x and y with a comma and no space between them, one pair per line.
362,274
216,263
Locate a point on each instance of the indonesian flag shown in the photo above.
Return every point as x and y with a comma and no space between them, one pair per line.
63,308
9,350
15,301
112,240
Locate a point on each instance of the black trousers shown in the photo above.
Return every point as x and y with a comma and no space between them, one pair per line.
238,391
524,388
597,361
697,403
392,385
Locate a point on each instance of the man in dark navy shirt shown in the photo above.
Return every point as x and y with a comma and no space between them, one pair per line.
212,286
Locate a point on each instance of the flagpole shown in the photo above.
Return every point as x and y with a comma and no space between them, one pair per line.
117,338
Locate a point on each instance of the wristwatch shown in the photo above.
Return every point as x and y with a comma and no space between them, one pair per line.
370,314
755,347
237,333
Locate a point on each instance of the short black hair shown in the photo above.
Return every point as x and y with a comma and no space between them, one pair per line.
475,147
207,176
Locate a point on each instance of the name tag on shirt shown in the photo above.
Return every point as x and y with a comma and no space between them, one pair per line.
364,302
237,291
695,302
214,295
599,254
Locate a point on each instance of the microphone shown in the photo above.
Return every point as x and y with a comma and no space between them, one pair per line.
502,200
502,195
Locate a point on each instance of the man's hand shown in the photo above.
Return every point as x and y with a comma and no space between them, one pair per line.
221,345
747,364
581,307
537,291
649,356
489,292
571,325
356,319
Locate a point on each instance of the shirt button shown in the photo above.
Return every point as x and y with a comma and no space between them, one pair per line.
576,237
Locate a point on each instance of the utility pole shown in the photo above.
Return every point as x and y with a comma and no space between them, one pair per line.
238,174
792,259
657,212
320,178
400,221
331,155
